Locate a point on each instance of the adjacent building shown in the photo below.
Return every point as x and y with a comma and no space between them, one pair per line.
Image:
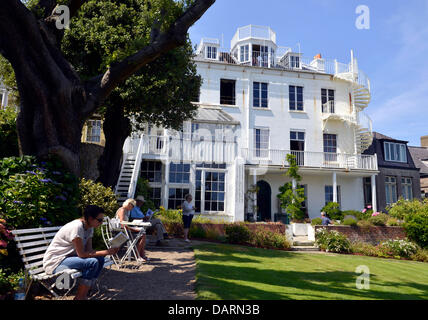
398,175
3,96
420,158
259,102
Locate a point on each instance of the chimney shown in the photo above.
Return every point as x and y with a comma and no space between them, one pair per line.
424,141
318,56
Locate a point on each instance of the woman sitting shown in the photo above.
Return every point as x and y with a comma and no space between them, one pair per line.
71,248
123,215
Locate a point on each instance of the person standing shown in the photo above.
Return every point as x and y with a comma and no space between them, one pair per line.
188,212
71,248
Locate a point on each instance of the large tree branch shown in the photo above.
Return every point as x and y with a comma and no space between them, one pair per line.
102,85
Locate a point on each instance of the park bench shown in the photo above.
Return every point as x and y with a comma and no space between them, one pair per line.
32,245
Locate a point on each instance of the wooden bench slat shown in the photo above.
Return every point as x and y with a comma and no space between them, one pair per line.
34,257
33,243
34,264
28,251
35,271
35,230
36,236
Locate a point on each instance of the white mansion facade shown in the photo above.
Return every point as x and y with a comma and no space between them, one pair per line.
258,103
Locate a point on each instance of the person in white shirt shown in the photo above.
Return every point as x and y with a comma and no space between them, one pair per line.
71,248
188,212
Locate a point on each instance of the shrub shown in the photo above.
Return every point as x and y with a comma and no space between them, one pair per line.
401,248
197,231
237,233
405,208
212,234
170,215
143,188
353,213
332,210
378,219
364,214
350,222
92,193
268,239
316,221
420,255
364,224
392,222
416,227
8,133
36,193
332,241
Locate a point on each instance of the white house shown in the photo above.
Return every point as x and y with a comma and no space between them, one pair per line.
3,96
258,103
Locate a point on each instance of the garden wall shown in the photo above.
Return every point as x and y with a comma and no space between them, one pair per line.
372,235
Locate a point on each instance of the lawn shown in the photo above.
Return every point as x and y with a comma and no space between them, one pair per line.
235,272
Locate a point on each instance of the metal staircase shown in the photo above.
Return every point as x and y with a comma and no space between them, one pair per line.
360,99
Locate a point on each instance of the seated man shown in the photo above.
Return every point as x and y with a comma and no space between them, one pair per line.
136,213
325,220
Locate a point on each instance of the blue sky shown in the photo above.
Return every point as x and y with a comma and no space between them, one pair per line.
393,52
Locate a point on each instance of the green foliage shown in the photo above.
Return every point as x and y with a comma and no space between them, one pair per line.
392,222
364,224
350,222
392,249
416,227
355,213
404,208
378,219
7,76
238,233
269,240
92,44
8,134
143,189
332,241
37,193
197,231
291,200
400,248
9,281
316,222
92,193
332,210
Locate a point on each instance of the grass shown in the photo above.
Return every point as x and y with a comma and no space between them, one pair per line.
235,272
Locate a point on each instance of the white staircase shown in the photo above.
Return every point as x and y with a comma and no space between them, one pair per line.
360,98
129,173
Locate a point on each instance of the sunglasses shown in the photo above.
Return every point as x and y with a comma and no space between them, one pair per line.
99,220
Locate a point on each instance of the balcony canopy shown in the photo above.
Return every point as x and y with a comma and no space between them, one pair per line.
214,115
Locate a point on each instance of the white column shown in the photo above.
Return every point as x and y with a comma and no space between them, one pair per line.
166,185
374,200
334,187
255,194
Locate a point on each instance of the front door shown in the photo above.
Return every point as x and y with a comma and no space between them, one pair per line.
264,196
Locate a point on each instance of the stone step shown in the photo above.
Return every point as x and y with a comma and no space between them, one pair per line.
303,243
305,248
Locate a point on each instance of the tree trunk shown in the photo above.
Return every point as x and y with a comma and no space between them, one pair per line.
116,129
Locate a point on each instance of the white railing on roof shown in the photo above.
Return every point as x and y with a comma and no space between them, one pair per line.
255,32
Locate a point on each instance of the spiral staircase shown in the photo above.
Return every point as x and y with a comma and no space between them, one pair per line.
361,97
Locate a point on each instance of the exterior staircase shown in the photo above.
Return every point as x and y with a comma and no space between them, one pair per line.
122,187
301,243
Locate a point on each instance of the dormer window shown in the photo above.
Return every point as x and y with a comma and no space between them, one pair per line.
211,52
395,152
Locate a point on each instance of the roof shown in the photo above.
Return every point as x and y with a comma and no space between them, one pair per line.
420,154
208,114
380,136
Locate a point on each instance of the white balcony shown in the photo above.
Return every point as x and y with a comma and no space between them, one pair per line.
310,159
253,32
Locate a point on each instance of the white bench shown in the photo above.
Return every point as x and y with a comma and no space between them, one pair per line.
32,245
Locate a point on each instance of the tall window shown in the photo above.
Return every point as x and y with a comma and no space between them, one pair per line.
261,143
227,91
330,147
406,188
328,190
210,188
151,171
260,56
245,53
260,95
1,100
395,152
391,190
327,100
367,183
294,61
93,133
212,53
295,95
297,146
155,196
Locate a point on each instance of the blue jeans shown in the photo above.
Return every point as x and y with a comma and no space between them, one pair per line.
90,267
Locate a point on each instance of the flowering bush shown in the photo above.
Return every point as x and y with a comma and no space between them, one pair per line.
92,193
350,222
332,241
5,237
316,221
405,208
35,194
401,248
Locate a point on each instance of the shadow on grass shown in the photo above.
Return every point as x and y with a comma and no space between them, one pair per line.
215,279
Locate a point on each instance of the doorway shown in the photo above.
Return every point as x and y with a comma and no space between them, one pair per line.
264,196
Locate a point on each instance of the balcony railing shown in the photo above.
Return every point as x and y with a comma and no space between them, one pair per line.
310,159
